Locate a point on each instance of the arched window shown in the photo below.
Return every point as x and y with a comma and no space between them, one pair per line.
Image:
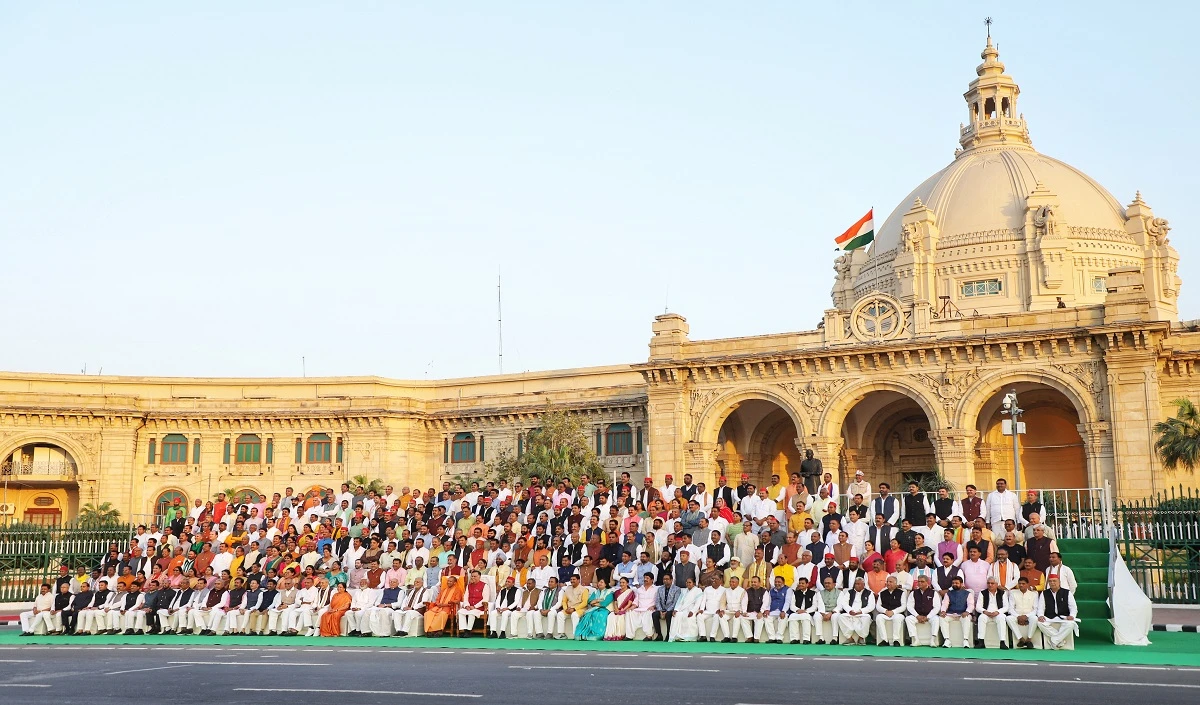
618,439
174,449
320,447
249,449
247,495
165,503
462,448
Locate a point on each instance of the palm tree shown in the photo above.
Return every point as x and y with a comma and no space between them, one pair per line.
369,484
1178,442
99,515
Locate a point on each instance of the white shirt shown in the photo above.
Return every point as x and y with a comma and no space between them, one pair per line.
1003,505
735,599
541,576
221,562
1066,577
714,599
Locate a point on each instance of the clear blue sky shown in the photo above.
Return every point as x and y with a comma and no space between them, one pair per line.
221,190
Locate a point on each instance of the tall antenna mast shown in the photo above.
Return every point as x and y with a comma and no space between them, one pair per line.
499,323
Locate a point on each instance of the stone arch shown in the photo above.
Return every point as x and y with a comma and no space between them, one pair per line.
75,449
830,420
978,394
713,416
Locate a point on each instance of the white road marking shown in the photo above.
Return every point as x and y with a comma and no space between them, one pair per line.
243,649
16,660
309,651
365,692
831,658
139,670
724,657
610,668
244,663
132,648
1146,668
24,685
779,658
1075,665
1132,685
660,655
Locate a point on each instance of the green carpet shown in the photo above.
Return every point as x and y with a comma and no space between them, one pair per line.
1089,560
1168,649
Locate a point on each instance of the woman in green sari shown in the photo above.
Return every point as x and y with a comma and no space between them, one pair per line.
595,619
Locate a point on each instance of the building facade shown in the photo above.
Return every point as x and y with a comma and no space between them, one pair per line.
1006,271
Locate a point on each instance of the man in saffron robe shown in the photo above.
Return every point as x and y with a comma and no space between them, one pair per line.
436,613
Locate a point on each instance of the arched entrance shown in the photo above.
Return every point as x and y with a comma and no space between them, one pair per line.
1051,451
40,482
886,434
757,438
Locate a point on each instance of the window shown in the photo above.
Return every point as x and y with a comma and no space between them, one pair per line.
174,450
1099,285
639,440
270,451
462,448
196,452
166,500
249,449
44,517
150,456
983,287
618,439
225,453
299,450
340,445
320,448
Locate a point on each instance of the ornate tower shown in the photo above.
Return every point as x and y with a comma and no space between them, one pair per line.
992,106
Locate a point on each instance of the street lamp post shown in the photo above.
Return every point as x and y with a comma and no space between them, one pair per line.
1014,412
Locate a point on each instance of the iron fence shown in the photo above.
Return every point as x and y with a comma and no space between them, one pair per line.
31,554
1160,542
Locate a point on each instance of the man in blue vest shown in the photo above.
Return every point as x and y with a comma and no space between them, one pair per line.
957,606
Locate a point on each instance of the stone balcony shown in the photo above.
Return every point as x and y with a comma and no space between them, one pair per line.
39,471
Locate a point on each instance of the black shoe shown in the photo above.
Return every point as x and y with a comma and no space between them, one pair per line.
1004,646
819,642
26,633
979,643
896,643
794,641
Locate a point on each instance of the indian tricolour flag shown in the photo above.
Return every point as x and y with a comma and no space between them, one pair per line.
859,235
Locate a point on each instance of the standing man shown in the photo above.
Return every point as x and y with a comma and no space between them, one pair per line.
887,505
859,486
1002,505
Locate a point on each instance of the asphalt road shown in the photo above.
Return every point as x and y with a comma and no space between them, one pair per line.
98,675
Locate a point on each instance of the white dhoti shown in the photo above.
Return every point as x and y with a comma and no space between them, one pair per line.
384,621
1057,630
644,620
964,621
800,626
1001,627
299,618
1022,631
709,623
889,629
168,621
412,623
466,618
911,621
854,625
355,621
500,621
217,621
741,625
536,623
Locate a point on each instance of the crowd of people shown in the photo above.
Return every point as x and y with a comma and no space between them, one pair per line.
563,560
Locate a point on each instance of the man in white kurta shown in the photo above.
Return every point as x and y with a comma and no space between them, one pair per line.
735,610
687,609
357,620
806,606
890,607
1057,614
43,605
642,614
384,616
854,612
1022,618
411,620
993,606
712,613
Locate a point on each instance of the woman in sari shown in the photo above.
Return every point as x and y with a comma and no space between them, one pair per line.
336,576
339,604
594,621
623,601
444,608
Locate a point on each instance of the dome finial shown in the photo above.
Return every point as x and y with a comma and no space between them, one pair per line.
992,104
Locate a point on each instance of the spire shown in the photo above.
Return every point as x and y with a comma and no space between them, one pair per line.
992,104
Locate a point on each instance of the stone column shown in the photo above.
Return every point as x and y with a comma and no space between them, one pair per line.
955,452
700,460
1135,406
1098,446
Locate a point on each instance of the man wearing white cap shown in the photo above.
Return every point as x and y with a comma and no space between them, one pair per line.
859,486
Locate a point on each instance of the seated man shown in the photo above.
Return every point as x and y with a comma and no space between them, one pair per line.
854,611
806,604
890,606
410,617
508,599
357,620
642,614
438,612
43,605
712,611
1022,619
923,607
957,606
830,598
573,605
1057,613
992,606
383,617
541,621
776,606
735,608
476,600
687,609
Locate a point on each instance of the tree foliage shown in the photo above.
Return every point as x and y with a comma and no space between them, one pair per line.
558,449
103,514
1178,442
369,484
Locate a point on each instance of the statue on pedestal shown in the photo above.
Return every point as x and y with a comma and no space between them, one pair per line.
811,470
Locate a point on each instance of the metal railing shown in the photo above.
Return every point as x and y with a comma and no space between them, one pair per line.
31,555
1160,541
40,467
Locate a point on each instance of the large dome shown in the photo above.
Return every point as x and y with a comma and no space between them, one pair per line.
984,190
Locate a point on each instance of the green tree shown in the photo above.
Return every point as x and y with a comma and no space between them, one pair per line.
934,481
370,484
1178,442
559,448
99,515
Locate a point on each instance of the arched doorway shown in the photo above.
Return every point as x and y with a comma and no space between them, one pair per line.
757,438
886,435
1051,450
40,482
